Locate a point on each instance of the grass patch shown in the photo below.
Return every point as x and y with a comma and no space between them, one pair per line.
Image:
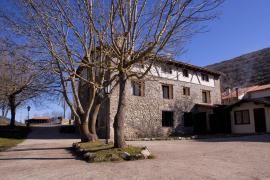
11,137
106,152
6,143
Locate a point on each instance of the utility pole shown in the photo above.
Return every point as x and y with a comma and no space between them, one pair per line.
64,106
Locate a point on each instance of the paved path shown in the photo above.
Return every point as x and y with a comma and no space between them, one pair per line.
44,156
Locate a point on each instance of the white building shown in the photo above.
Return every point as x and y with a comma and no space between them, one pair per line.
250,112
250,116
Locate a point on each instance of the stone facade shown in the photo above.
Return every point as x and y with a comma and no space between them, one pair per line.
144,113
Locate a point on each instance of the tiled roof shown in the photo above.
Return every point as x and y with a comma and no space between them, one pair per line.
243,91
263,87
258,101
41,118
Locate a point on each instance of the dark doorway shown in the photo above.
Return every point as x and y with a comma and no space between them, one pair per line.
259,118
188,122
167,118
199,123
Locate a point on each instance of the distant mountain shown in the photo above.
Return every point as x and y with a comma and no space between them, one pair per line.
246,70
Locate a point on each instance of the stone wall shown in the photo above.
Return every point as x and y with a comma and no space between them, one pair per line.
144,113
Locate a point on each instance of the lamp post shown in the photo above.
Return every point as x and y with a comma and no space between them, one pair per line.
28,109
107,92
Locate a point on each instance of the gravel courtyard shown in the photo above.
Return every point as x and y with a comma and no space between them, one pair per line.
44,155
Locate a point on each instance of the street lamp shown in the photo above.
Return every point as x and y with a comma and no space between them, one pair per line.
107,90
28,109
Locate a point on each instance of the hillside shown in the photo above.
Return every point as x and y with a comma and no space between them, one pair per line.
246,70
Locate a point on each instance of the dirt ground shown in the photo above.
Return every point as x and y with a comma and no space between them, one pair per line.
44,155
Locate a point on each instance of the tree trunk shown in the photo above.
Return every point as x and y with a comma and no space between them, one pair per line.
93,119
12,105
86,136
119,119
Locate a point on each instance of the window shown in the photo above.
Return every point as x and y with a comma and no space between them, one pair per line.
241,117
167,91
138,88
206,96
205,77
167,118
186,91
185,72
166,69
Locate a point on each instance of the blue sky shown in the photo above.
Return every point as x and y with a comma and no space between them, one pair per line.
243,26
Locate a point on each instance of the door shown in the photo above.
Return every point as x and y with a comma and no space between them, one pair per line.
214,123
188,119
199,123
259,118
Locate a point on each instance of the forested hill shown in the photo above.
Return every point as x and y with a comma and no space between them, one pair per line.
246,70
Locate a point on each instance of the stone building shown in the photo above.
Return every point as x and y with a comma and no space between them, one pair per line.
174,97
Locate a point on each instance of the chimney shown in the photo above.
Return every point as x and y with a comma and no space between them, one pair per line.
237,93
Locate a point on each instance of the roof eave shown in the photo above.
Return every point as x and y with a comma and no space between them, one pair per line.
192,67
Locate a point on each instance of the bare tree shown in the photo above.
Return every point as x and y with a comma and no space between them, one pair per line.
78,56
21,79
139,32
3,105
110,36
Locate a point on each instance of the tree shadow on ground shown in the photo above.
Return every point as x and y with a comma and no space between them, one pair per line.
265,138
42,156
36,158
50,132
37,149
